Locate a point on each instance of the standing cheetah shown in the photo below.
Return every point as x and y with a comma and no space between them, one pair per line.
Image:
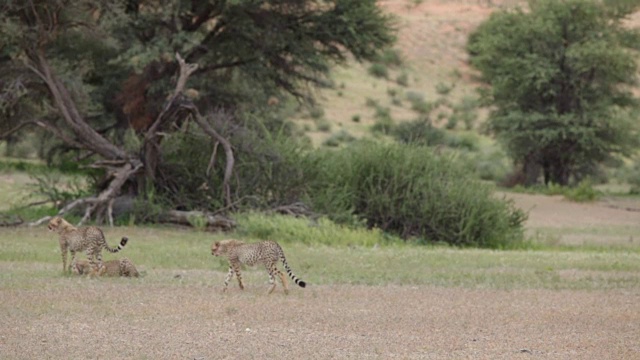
89,239
266,253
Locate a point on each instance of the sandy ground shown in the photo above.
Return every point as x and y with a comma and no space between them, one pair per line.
121,320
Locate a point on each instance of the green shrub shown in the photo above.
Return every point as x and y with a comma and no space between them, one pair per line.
323,125
379,70
490,164
369,102
390,57
403,79
303,230
355,118
443,89
316,112
270,169
584,192
407,190
469,142
384,122
419,132
338,138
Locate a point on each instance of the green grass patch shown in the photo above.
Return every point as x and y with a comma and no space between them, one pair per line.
31,256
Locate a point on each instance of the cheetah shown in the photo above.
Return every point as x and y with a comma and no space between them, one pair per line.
123,267
89,239
266,253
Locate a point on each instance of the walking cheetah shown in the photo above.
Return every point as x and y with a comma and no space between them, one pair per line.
89,239
123,267
266,253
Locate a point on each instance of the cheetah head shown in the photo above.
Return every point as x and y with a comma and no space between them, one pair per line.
215,248
54,223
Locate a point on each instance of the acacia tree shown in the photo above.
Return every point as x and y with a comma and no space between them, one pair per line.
102,66
560,77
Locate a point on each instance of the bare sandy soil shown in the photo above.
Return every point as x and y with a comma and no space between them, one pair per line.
123,319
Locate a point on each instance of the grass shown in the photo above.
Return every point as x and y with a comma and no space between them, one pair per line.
30,256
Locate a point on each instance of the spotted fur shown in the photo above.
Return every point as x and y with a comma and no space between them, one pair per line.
122,267
88,239
265,253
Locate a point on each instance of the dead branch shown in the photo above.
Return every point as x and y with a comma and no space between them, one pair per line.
10,220
226,145
120,176
297,209
15,129
150,146
67,208
64,103
212,160
211,221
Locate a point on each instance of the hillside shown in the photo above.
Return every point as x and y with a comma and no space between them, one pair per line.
431,42
432,35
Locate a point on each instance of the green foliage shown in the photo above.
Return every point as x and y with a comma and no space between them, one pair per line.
467,141
490,164
271,167
583,192
323,125
379,70
56,188
338,138
384,122
466,111
403,79
419,132
390,57
443,89
407,190
323,231
316,112
559,77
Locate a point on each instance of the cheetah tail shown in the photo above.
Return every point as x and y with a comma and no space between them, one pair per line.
122,244
293,277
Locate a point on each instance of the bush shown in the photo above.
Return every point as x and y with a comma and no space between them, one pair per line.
390,57
384,122
419,132
407,190
338,138
271,169
379,70
403,79
584,192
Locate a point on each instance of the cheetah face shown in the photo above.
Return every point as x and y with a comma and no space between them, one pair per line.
54,224
215,248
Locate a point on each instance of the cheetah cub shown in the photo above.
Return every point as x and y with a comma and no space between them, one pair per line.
123,267
89,239
265,253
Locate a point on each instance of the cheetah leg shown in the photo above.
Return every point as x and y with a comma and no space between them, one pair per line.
272,279
64,260
274,270
63,252
236,268
226,279
72,265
